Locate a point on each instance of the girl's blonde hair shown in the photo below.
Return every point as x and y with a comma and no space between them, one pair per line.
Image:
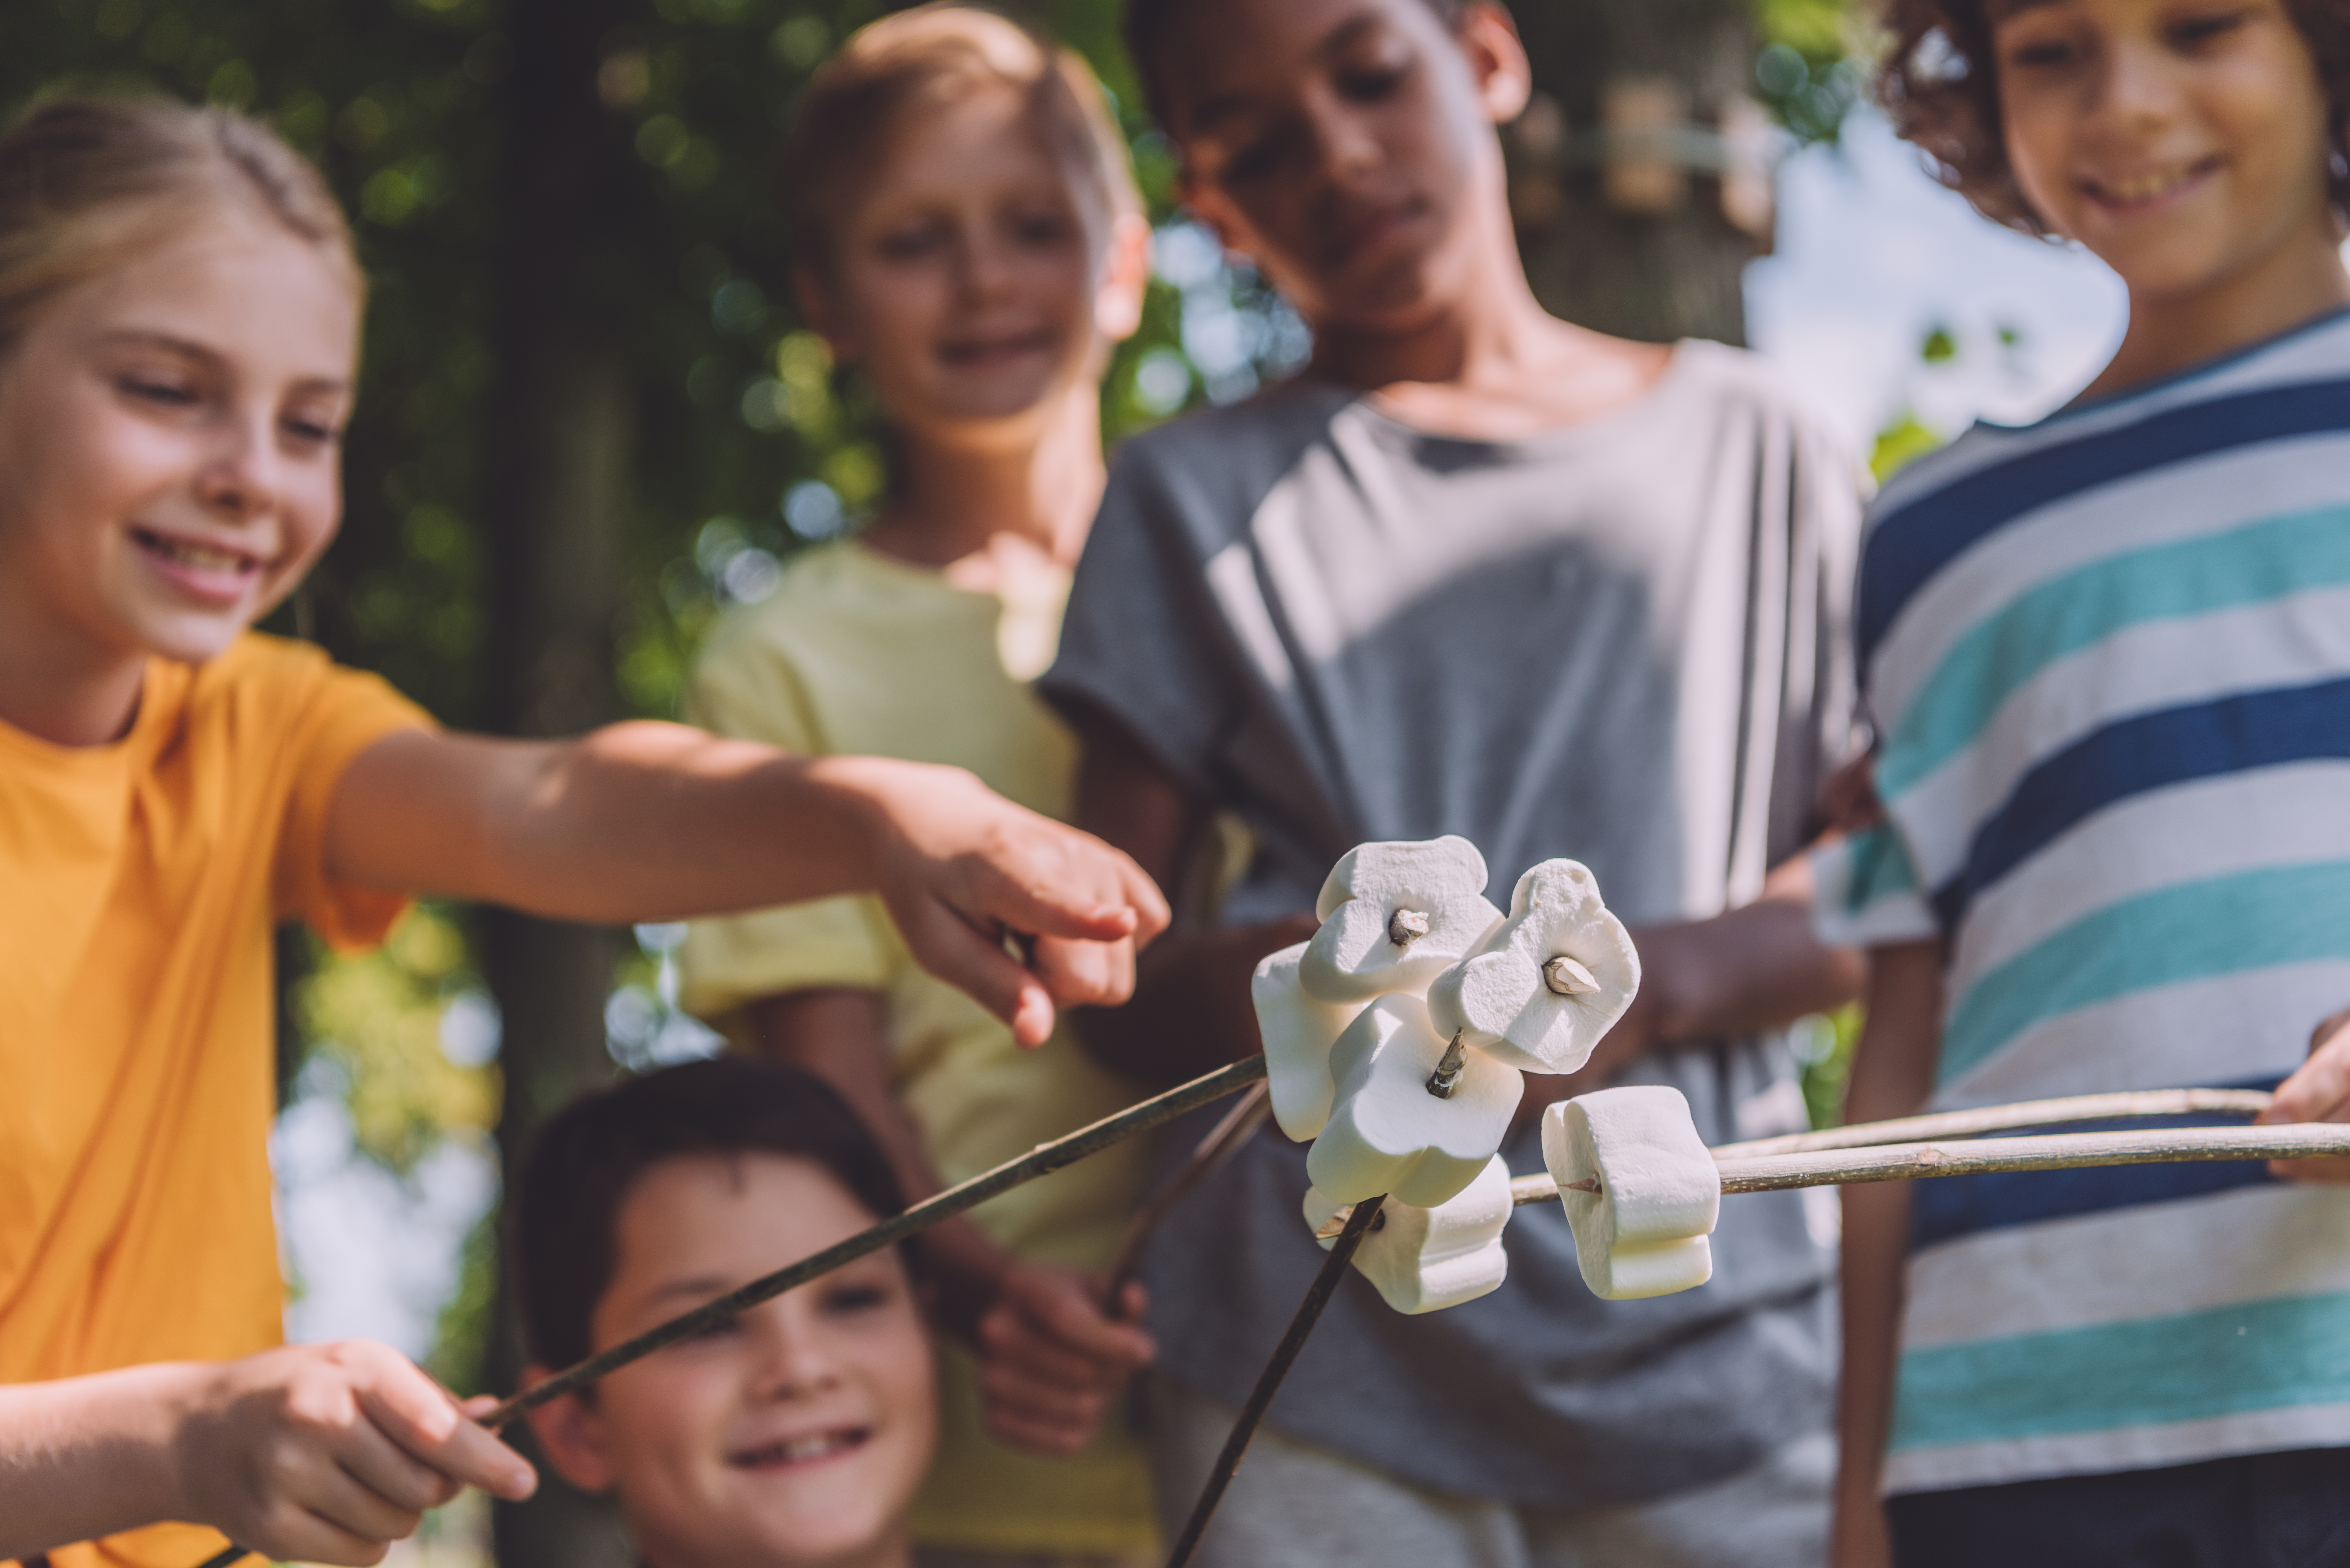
926,56
88,183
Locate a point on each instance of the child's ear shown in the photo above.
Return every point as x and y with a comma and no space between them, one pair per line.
1126,276
823,314
571,1434
1497,61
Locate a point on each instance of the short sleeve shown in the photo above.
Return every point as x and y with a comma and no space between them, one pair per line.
344,712
747,688
1143,643
1866,892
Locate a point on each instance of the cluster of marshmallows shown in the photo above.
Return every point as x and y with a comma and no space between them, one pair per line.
1395,1040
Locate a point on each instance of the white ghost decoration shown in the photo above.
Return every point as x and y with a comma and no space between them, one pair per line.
1425,1259
1393,916
1640,1189
1299,1032
1387,1133
1549,983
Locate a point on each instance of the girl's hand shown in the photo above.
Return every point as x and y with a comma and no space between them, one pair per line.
1052,1359
960,869
327,1453
2318,1092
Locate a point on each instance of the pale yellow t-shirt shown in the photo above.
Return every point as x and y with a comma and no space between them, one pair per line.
857,653
138,1014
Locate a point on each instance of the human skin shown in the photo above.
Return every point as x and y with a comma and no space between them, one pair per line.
170,431
1348,147
979,286
793,1436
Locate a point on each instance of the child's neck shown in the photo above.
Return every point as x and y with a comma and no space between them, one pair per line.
2172,332
1488,362
59,688
970,507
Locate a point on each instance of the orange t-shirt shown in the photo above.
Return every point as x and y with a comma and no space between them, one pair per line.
136,1004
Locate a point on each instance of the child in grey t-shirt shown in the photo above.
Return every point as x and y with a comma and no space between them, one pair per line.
1476,572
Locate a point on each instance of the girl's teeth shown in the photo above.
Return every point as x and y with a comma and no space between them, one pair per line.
201,556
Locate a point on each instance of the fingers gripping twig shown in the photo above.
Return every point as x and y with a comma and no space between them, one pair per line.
1268,1382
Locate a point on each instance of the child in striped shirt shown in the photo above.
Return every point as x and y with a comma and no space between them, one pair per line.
2108,660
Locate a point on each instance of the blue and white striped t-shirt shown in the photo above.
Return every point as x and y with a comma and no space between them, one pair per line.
2108,658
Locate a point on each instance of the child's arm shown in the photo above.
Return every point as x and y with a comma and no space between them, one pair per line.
2318,1091
649,821
1892,1074
319,1453
1192,1011
1052,1358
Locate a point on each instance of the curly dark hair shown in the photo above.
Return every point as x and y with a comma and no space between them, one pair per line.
1941,84
1148,24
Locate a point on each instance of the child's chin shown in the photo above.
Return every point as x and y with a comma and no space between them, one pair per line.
188,639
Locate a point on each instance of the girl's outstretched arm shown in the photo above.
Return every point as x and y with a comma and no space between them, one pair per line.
649,821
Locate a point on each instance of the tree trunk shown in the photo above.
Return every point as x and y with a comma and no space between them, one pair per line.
557,496
1617,183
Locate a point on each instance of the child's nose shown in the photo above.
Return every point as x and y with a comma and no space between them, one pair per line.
2138,83
793,1360
241,476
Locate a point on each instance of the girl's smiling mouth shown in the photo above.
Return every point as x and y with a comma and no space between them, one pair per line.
214,573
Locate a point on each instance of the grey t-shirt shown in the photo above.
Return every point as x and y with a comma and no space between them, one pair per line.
1621,641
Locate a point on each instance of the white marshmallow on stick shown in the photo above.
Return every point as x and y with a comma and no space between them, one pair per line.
1546,986
1393,916
1387,1133
1640,1189
1298,1030
1425,1259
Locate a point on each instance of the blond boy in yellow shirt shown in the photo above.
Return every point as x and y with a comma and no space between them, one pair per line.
973,244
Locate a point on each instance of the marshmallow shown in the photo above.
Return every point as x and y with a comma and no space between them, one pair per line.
1393,916
1545,984
1298,1032
1387,1133
1640,1189
1425,1259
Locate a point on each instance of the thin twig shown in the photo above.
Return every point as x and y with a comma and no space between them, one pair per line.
1044,1158
2000,1118
1539,1188
2055,1151
1268,1382
1235,1127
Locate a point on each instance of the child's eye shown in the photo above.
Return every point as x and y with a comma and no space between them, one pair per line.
846,1300
724,1329
1369,84
911,244
2043,54
2191,31
162,393
1042,228
310,432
